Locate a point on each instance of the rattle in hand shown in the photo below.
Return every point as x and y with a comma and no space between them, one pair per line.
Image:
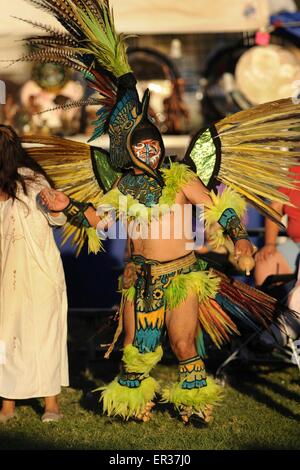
246,263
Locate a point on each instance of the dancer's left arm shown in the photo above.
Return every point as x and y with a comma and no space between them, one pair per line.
197,194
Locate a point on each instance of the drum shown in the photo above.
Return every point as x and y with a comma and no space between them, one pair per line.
267,73
244,74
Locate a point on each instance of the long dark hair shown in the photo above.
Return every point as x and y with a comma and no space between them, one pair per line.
12,157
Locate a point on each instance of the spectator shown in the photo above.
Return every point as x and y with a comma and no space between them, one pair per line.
33,304
275,258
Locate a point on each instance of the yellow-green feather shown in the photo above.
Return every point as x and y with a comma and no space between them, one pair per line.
94,242
126,402
197,398
175,178
135,361
202,283
102,42
220,202
119,400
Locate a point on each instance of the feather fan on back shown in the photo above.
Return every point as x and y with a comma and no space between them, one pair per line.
252,152
81,171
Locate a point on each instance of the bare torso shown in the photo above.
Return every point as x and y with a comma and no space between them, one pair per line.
171,236
168,237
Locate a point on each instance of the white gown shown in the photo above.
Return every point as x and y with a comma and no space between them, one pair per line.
33,301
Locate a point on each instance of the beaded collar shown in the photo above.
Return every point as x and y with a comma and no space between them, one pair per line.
143,188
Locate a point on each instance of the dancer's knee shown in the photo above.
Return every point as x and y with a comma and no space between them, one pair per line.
184,348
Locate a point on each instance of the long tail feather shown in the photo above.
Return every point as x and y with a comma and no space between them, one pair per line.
88,44
73,104
55,33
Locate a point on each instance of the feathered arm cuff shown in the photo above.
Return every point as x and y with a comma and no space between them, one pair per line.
222,219
75,213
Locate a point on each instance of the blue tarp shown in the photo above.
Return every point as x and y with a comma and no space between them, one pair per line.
288,18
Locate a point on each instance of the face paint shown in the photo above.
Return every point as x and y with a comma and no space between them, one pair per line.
148,151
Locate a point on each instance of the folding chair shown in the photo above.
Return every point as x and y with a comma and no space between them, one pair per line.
286,345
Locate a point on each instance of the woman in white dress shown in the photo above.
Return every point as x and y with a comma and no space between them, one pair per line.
33,302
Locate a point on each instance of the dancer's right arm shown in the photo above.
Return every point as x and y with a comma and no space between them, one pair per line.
57,201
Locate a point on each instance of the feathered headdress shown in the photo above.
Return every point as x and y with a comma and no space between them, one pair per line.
91,45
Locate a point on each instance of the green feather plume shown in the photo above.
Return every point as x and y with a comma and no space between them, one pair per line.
128,402
202,283
142,362
197,398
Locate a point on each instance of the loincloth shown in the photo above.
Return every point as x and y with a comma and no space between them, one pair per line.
155,293
163,286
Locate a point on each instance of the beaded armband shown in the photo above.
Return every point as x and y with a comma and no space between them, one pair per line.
232,225
130,379
192,373
75,213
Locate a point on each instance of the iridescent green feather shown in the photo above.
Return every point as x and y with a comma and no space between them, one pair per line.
252,152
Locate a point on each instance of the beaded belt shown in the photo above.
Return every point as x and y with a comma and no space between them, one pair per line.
159,268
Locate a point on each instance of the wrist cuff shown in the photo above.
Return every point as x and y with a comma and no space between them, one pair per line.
75,213
232,225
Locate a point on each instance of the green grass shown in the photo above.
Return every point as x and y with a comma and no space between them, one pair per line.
260,411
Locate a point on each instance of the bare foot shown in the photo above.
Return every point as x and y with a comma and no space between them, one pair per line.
145,415
186,412
8,411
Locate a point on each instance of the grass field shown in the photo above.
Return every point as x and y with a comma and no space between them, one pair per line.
260,410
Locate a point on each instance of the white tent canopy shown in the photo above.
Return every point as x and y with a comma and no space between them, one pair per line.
155,16
134,16
190,16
